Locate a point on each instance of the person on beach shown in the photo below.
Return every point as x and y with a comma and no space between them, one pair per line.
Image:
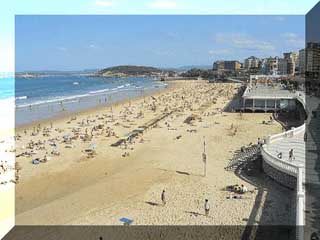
45,159
260,142
163,197
243,189
206,207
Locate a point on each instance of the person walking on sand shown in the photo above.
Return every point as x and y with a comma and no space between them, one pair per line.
206,207
163,197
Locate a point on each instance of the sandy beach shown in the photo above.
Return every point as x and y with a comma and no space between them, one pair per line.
77,177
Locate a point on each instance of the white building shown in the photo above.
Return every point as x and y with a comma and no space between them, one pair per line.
251,62
292,60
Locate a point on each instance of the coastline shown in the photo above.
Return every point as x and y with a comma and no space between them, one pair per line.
68,114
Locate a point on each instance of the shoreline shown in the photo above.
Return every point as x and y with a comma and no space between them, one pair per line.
68,114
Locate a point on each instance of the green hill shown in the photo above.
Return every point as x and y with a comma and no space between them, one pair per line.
129,70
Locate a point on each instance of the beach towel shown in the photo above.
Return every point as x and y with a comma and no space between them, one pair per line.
126,220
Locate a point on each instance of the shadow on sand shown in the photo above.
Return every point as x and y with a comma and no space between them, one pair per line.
258,224
184,173
196,214
236,103
181,172
152,203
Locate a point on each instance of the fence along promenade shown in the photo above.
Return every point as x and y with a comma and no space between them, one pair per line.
294,168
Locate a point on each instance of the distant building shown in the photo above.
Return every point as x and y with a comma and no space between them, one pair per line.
302,61
218,66
269,66
232,65
283,66
251,62
292,60
226,65
288,64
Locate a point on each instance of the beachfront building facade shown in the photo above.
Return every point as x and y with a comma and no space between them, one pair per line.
292,62
226,66
270,65
232,65
218,66
251,63
268,96
268,99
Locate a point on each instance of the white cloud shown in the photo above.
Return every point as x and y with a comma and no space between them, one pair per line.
293,40
163,4
243,41
289,35
103,3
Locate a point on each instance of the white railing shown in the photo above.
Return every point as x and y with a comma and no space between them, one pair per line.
279,164
300,204
289,133
290,168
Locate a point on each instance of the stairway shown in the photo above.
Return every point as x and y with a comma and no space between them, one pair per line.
250,153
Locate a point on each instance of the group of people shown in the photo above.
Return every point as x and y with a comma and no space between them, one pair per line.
261,142
240,189
291,155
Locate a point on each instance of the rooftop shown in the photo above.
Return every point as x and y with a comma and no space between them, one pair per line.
264,91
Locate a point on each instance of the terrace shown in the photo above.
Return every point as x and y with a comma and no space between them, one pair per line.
266,97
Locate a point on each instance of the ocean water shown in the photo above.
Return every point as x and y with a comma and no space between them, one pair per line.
40,98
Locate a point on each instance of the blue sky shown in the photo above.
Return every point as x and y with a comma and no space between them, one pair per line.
86,41
11,7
